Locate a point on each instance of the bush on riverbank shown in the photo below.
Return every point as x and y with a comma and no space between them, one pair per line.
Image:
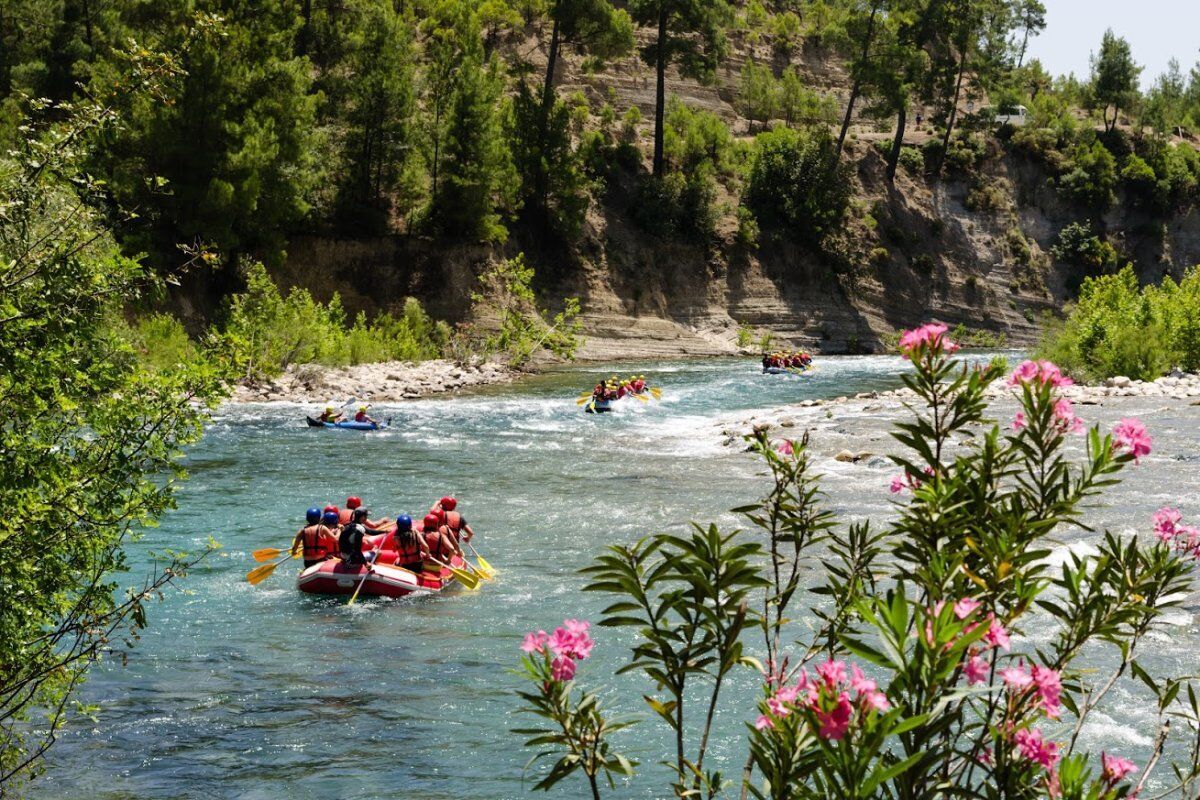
949,654
1119,328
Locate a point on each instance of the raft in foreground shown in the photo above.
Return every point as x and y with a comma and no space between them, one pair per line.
385,580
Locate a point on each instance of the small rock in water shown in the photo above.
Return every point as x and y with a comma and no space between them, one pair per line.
846,455
1118,381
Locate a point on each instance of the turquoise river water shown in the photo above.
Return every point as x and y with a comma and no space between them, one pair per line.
243,692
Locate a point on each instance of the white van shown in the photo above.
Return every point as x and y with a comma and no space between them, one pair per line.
1016,118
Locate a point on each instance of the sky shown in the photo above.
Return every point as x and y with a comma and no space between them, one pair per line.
1156,31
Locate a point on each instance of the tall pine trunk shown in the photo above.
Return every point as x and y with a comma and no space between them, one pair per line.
953,117
660,95
897,143
856,88
542,188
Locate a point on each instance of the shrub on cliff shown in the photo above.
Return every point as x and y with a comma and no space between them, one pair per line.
797,183
946,655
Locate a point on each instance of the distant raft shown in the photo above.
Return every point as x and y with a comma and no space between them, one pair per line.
349,425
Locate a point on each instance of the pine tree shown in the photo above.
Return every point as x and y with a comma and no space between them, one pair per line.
1114,77
690,33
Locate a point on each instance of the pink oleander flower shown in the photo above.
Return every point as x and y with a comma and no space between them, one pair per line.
577,626
859,682
832,672
1016,678
835,723
932,334
1115,769
763,722
1033,747
1064,416
1187,540
574,644
966,607
777,707
785,448
996,635
897,486
1019,422
1166,522
976,670
1039,371
1047,684
562,668
788,694
1130,434
535,642
875,700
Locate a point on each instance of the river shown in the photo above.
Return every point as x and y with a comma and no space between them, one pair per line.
261,692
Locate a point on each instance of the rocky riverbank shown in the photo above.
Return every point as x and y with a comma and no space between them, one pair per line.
842,427
388,381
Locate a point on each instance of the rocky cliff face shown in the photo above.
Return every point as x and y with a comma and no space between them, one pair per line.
920,252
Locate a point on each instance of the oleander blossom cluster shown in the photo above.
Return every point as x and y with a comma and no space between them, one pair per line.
1169,528
931,335
837,697
567,646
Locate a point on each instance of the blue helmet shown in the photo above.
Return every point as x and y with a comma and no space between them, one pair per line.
330,518
404,522
313,515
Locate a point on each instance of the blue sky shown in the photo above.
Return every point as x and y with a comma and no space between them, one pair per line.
1156,30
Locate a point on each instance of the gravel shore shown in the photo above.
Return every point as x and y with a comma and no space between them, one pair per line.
389,381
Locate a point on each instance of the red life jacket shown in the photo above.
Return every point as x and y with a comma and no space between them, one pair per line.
438,547
406,553
345,515
453,521
316,543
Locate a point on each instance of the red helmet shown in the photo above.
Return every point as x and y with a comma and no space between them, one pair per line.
448,503
332,507
431,522
353,502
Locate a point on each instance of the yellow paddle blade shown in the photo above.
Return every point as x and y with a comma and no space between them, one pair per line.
487,568
267,553
642,398
260,574
465,578
656,392
583,399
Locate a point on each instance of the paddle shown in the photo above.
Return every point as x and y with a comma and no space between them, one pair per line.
656,392
642,398
488,570
465,578
259,574
583,399
267,553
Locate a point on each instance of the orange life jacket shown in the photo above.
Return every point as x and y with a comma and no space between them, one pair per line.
345,515
406,553
454,521
316,543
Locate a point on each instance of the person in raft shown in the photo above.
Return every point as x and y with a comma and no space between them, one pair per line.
446,514
438,538
410,546
355,502
315,541
350,540
363,416
331,415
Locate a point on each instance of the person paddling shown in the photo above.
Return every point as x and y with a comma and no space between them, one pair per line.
350,540
439,540
410,546
453,520
354,502
315,540
331,415
363,416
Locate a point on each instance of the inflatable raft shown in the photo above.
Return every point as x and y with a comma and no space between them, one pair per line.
349,425
382,579
785,370
599,406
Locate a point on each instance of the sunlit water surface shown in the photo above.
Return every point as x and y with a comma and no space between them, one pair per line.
243,692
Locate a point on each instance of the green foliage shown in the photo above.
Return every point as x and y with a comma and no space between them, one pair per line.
1078,245
1091,178
92,440
506,297
271,331
160,341
553,180
1118,328
758,94
1114,77
797,183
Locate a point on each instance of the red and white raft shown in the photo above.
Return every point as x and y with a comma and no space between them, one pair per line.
385,578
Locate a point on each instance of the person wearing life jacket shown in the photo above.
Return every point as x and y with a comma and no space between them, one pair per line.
363,416
350,540
354,502
316,541
441,544
410,546
598,392
444,509
331,415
